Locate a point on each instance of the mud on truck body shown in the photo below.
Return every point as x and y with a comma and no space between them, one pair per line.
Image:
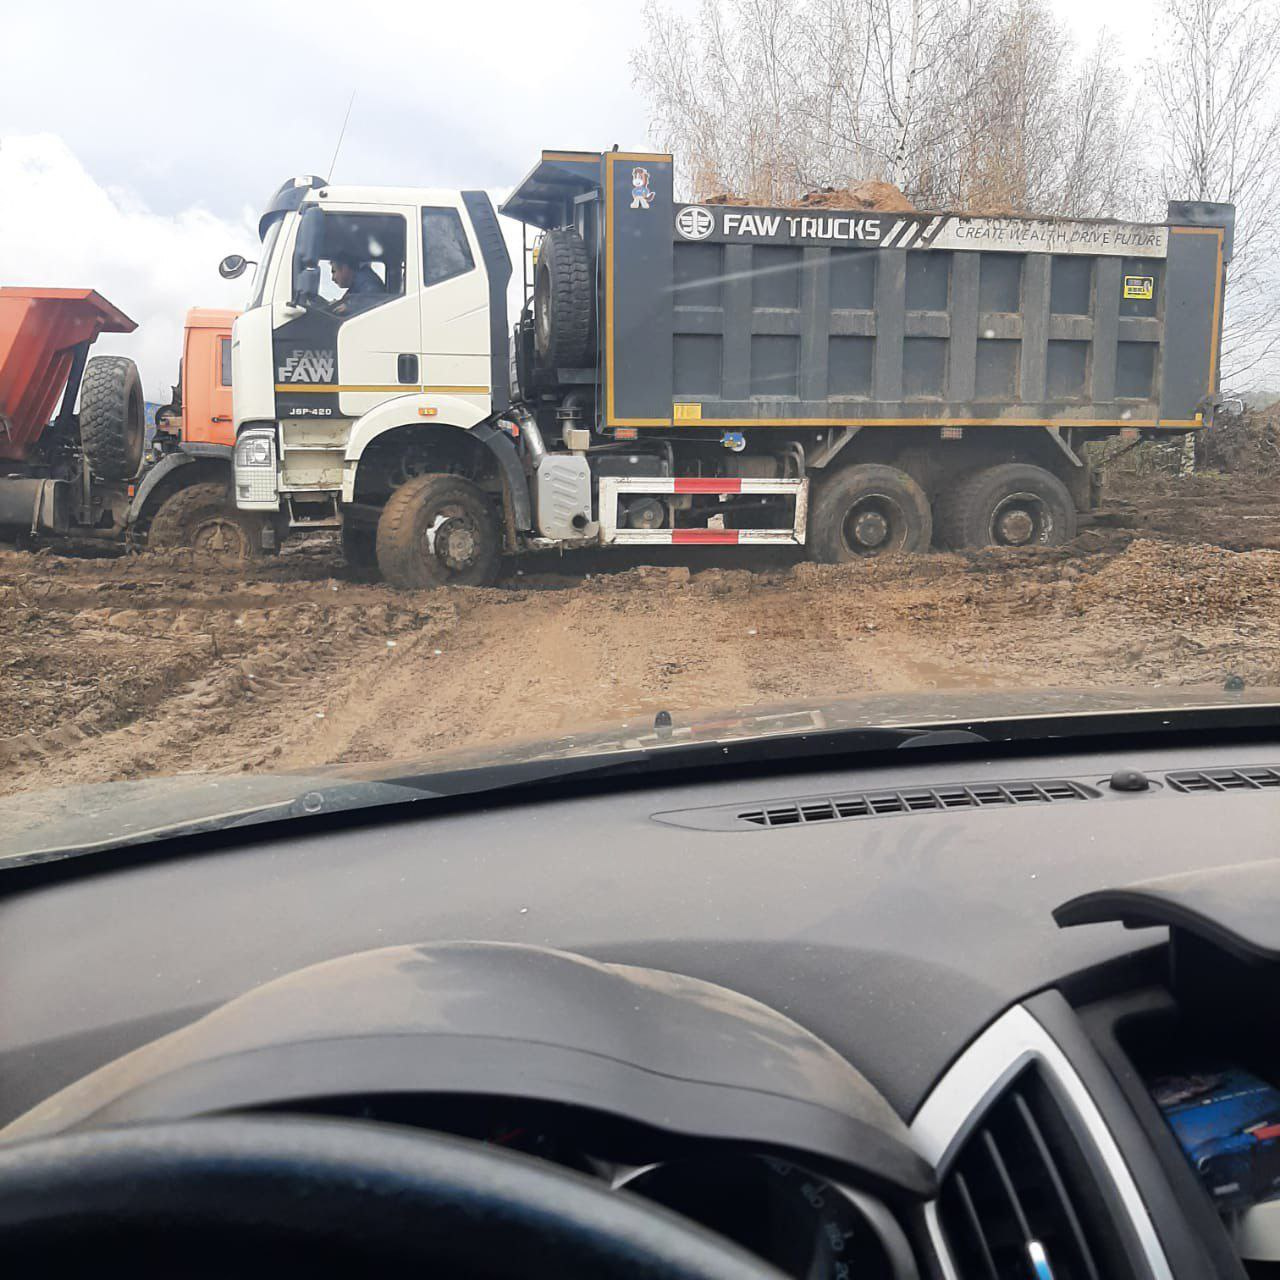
856,383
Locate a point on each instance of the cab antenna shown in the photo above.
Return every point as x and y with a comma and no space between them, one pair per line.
341,134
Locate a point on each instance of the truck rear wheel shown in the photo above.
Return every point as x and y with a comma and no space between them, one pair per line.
868,510
204,519
1014,504
439,530
113,417
563,301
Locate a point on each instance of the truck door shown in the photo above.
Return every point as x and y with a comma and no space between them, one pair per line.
455,307
221,427
206,378
360,347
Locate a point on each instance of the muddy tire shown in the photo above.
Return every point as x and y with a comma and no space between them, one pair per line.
868,510
359,545
563,301
1014,504
113,417
437,531
203,518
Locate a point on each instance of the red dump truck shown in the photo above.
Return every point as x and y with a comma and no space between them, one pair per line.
73,457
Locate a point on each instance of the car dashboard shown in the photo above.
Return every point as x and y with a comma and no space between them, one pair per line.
804,1222
955,1040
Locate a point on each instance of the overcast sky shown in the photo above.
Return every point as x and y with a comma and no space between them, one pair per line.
139,140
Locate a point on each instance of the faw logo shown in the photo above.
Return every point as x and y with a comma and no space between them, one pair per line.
309,366
695,222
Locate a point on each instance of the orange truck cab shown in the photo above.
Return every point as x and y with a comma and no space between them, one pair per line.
206,378
184,498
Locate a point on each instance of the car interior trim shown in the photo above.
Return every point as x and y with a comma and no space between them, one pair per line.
960,1098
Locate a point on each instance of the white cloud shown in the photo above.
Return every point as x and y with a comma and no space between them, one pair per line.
60,228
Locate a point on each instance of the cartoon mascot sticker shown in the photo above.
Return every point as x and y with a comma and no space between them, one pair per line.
641,191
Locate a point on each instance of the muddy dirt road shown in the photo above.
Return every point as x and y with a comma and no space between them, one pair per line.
150,664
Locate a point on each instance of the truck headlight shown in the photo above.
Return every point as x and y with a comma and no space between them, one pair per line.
254,451
255,472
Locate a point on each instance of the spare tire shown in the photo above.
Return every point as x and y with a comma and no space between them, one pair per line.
113,417
563,301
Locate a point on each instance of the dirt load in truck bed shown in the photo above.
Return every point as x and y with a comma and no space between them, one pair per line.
154,663
868,197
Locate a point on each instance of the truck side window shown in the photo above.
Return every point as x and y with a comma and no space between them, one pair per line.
362,264
224,359
445,251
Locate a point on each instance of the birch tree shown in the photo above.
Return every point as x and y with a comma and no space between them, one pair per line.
1218,121
961,103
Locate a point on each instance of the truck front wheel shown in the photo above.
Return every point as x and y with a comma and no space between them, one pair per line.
1014,504
439,530
868,510
204,519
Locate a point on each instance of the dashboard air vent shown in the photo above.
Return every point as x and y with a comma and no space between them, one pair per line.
873,804
1020,1198
1249,778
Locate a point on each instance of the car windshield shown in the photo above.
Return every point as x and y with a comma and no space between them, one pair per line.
746,371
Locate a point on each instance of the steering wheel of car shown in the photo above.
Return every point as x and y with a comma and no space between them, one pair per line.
258,1196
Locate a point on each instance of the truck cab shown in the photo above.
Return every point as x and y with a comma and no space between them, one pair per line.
375,331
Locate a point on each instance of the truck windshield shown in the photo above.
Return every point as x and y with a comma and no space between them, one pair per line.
264,263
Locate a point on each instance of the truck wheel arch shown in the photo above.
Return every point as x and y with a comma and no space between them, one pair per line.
496,446
173,472
437,410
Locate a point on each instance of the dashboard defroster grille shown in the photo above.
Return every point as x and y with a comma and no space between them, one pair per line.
873,804
1246,778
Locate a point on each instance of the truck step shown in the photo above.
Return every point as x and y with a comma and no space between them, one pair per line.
611,487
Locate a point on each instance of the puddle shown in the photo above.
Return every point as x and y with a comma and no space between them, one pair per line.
933,675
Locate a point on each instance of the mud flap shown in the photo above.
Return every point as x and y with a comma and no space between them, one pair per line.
515,485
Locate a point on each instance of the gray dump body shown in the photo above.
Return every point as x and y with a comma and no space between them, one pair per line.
738,317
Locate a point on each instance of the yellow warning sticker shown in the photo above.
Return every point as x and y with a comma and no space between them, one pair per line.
688,412
1139,288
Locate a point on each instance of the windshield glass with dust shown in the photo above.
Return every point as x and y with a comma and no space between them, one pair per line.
843,363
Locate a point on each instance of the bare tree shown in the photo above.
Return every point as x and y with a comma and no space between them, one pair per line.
1214,82
962,103
1102,141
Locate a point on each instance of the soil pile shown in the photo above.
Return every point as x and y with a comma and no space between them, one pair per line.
863,197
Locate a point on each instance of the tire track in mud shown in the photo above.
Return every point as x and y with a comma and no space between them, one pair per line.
145,667
214,675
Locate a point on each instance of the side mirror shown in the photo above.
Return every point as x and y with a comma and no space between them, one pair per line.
232,267
310,235
306,285
306,255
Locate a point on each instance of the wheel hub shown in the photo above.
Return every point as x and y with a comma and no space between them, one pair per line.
1016,527
219,538
1020,520
453,541
870,529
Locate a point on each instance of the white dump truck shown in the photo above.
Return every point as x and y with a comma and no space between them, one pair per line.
856,383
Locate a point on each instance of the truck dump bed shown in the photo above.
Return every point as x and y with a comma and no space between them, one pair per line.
726,316
40,331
